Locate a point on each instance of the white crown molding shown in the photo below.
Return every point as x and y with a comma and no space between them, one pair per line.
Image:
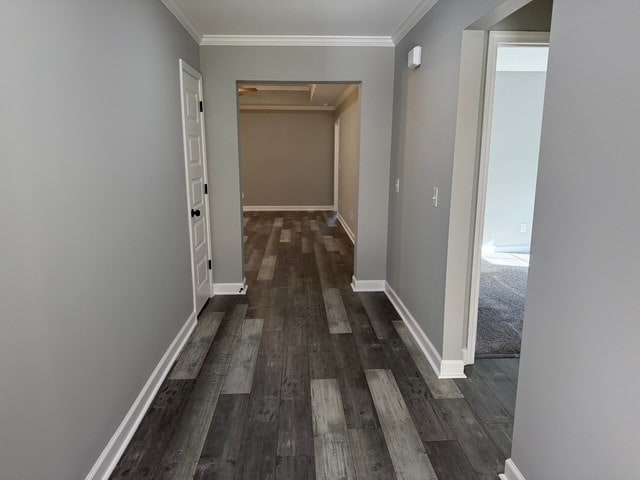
412,19
178,12
348,91
302,108
296,40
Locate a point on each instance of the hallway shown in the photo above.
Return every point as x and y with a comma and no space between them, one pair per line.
302,378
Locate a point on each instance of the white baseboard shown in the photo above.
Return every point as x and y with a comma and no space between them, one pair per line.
452,369
111,454
286,208
349,232
443,368
511,472
230,288
367,285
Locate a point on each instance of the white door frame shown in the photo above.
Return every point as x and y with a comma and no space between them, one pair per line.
336,164
184,66
496,39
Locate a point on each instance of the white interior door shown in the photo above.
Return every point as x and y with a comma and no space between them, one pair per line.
197,185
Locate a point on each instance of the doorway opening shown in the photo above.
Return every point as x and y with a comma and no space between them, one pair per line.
514,98
299,149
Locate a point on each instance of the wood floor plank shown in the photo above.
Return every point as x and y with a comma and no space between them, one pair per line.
295,468
482,400
486,460
221,448
440,388
267,380
425,411
267,267
410,461
193,354
381,313
449,461
295,377
502,435
181,456
510,366
144,453
329,243
498,382
336,314
257,458
295,429
239,376
255,260
285,236
370,455
331,444
278,222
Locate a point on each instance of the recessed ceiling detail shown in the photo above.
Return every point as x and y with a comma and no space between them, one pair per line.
295,23
296,96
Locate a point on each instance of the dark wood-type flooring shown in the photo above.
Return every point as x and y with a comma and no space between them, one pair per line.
304,379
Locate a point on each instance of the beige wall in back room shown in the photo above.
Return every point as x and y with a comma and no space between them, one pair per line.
349,115
286,158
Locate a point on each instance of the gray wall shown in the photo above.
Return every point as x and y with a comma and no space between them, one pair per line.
349,115
513,159
96,278
223,66
577,408
286,157
425,106
533,17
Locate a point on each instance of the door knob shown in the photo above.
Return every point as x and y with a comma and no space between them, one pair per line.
195,213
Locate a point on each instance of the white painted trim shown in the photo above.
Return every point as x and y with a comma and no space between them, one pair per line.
348,231
189,25
230,288
443,368
111,454
184,67
412,19
287,208
298,40
511,472
452,369
336,165
278,88
496,39
322,108
367,285
347,92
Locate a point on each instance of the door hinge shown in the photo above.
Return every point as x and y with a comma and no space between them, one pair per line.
201,106
206,189
209,264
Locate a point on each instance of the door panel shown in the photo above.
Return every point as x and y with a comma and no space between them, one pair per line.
196,171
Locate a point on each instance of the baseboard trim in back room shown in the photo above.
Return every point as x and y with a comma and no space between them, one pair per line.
443,368
111,454
287,208
230,288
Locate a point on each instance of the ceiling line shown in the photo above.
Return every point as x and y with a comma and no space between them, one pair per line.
301,40
298,40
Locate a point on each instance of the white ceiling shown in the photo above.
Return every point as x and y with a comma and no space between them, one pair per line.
213,21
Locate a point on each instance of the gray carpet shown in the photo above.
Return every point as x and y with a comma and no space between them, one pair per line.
503,290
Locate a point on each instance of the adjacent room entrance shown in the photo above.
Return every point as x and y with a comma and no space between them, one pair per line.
514,97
